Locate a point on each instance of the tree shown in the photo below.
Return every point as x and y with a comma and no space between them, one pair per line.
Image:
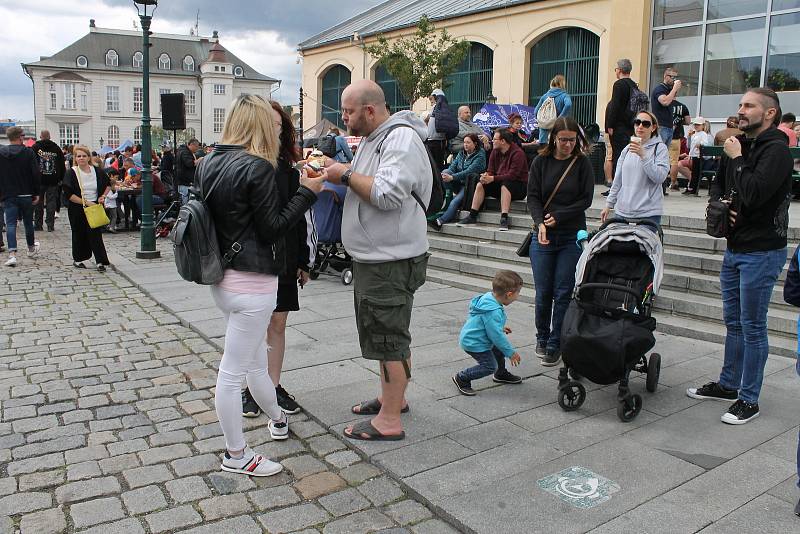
420,62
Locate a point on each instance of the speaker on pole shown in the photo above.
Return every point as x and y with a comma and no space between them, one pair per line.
173,112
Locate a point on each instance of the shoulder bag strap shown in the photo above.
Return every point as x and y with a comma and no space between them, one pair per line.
77,172
378,150
553,194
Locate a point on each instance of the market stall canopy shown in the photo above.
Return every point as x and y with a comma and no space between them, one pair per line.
492,116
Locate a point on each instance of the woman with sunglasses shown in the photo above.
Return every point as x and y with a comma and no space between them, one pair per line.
560,189
642,167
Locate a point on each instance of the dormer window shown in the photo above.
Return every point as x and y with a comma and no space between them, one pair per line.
164,62
138,60
188,63
81,62
238,71
112,58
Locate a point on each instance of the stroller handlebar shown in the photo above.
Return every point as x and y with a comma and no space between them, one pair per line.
637,222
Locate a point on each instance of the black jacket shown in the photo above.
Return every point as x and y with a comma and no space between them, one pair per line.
572,199
247,199
71,186
618,114
760,183
301,239
19,172
185,166
51,162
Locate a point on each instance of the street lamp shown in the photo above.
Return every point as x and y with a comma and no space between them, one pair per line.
145,9
101,142
491,99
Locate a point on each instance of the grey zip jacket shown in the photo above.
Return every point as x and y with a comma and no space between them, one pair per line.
636,191
392,225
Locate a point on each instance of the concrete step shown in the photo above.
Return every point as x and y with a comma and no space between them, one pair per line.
781,344
781,320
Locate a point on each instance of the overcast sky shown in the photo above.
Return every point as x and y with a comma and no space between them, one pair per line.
264,33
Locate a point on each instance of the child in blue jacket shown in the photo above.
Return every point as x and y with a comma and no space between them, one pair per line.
484,334
791,294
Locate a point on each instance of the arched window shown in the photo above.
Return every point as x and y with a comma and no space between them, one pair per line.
391,89
333,83
188,63
164,62
575,53
112,59
138,60
137,135
471,83
238,71
81,62
113,136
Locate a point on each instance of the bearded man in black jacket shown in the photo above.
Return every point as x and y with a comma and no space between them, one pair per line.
755,177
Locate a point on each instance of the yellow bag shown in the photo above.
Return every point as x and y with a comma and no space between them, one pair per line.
95,214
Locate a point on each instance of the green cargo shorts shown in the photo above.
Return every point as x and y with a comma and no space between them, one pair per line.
383,295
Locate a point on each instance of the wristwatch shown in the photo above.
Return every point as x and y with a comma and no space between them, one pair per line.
345,179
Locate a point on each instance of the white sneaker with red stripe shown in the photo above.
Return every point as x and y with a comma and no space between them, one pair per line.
250,464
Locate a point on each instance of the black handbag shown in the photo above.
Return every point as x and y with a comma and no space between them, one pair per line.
718,218
524,249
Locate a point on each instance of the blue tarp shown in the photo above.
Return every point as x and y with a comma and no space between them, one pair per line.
493,116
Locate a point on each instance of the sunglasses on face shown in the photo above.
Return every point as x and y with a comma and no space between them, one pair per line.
640,122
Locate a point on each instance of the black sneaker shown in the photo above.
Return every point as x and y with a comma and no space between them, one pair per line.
250,407
469,219
551,357
286,401
605,193
503,376
713,391
435,224
541,349
740,412
797,509
504,226
464,387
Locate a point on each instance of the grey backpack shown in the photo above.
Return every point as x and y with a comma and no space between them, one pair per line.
194,237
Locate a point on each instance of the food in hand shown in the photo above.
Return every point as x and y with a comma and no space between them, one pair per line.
635,139
318,157
313,169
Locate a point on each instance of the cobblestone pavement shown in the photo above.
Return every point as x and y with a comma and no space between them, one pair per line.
108,423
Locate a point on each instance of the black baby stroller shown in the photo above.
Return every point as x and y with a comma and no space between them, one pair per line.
608,329
328,219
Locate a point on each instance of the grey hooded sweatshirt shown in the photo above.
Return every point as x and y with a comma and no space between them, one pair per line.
392,225
636,191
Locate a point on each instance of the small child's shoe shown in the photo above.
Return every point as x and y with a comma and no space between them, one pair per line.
465,388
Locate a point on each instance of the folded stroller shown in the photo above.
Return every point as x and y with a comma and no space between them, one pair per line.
331,255
608,330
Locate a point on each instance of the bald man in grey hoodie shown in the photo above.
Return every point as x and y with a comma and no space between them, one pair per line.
385,231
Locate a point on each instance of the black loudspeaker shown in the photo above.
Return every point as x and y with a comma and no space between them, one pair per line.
173,113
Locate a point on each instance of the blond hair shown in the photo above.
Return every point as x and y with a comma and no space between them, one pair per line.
249,123
82,148
559,81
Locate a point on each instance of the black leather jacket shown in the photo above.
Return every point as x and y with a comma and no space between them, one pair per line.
247,199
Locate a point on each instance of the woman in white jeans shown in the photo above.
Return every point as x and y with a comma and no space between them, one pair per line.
238,182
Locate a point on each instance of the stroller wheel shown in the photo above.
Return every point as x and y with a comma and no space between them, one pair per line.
347,277
653,372
629,408
313,274
571,396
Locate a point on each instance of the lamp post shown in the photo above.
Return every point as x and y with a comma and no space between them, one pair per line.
145,9
491,99
101,142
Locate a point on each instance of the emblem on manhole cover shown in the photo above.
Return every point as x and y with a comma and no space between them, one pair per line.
579,487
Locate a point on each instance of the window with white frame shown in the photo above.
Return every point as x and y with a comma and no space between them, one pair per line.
112,58
162,92
190,101
68,134
164,61
113,136
219,88
81,62
53,99
137,135
138,59
219,119
188,63
69,96
84,98
138,99
112,98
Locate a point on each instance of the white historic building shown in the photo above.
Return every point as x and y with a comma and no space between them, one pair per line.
92,89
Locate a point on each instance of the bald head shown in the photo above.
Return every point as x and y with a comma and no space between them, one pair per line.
365,92
44,135
363,107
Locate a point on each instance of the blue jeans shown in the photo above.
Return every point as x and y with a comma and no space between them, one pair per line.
14,206
746,282
797,368
487,365
554,279
665,133
455,204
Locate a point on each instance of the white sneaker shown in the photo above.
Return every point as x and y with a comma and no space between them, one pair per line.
279,430
34,251
11,261
250,464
